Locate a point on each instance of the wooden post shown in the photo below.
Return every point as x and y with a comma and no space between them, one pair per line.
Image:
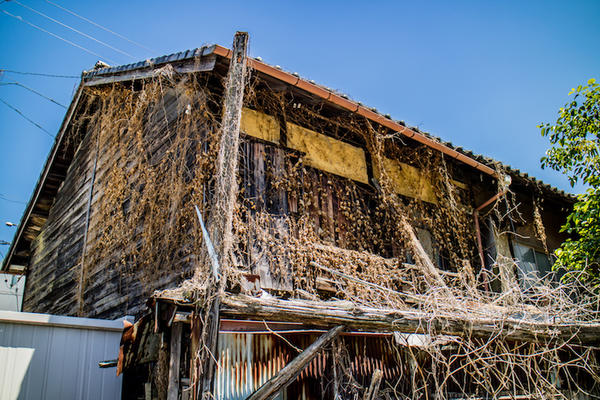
175,349
295,367
223,202
195,333
371,394
334,359
225,194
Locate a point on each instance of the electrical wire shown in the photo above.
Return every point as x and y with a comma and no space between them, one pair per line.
27,118
73,29
3,197
55,35
34,91
38,74
100,26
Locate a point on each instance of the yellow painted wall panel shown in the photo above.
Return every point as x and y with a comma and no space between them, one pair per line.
328,154
407,180
260,125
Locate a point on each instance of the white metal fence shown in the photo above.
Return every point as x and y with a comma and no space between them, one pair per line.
55,357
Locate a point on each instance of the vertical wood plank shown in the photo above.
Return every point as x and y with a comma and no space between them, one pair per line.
259,174
173,388
292,196
340,222
280,194
329,207
316,206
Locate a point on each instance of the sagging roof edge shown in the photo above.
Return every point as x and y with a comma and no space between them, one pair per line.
88,77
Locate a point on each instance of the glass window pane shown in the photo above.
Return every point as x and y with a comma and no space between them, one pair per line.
543,263
527,269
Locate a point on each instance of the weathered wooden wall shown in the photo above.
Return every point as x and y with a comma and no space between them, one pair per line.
51,285
332,189
109,291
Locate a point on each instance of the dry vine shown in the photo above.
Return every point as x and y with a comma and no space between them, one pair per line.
159,141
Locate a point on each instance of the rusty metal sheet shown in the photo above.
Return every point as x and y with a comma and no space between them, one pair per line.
248,360
139,344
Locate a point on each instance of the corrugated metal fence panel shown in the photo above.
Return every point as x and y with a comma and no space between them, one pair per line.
247,360
58,360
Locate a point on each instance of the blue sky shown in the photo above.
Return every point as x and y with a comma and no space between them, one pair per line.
481,74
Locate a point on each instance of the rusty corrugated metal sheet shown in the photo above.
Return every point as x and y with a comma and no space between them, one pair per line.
247,360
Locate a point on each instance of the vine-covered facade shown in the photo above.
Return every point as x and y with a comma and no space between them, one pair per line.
332,205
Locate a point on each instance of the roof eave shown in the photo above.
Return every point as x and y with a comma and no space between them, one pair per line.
354,107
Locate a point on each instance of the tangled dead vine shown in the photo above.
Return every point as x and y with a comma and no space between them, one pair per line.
157,142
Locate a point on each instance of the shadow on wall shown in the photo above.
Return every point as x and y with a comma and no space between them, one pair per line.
54,357
18,358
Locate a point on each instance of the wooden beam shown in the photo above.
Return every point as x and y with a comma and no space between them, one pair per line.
288,373
420,253
327,314
173,388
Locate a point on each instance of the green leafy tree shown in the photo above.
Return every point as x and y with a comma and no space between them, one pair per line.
575,151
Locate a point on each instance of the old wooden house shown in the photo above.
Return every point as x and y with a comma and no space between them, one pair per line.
319,212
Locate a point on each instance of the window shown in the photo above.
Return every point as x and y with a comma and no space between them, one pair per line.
533,265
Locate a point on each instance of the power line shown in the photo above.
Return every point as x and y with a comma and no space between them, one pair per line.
38,74
100,26
34,91
27,118
55,35
73,29
3,197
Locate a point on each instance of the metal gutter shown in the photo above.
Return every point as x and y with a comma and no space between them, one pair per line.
358,109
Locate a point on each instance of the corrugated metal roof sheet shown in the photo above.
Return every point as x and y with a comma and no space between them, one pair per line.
246,361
